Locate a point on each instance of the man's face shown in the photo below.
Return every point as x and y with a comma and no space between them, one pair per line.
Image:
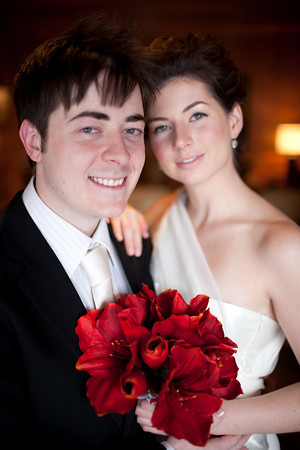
92,159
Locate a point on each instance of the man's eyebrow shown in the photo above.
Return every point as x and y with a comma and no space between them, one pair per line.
187,108
102,116
94,114
135,118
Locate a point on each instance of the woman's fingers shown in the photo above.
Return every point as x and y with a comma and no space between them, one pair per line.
131,228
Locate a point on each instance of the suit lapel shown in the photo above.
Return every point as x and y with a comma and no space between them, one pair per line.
43,279
51,292
40,274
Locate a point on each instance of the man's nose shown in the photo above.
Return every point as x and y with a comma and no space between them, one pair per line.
116,150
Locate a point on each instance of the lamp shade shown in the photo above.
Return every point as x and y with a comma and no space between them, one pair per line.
287,139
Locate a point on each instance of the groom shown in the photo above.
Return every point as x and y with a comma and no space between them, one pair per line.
81,100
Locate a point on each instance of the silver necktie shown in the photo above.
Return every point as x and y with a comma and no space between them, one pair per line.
96,266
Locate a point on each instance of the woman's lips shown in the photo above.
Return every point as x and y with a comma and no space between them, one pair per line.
189,160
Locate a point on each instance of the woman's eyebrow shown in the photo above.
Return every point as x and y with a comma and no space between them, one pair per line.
157,119
198,102
187,108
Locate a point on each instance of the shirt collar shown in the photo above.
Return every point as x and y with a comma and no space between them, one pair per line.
68,243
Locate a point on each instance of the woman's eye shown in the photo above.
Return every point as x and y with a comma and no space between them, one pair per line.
160,129
198,116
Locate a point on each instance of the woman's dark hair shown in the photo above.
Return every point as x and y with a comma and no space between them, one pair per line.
200,57
61,70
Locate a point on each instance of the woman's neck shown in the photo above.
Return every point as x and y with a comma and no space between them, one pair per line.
217,199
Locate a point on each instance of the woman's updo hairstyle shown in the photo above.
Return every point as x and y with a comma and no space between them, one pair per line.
202,58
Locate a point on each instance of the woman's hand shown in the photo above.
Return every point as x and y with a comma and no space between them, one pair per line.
131,227
221,443
144,411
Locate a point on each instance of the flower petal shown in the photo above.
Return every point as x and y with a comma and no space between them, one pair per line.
155,351
86,330
113,394
185,404
182,328
198,305
167,303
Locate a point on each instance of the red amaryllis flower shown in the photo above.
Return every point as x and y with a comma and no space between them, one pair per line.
111,360
167,303
198,305
185,403
155,351
142,301
159,344
223,380
180,329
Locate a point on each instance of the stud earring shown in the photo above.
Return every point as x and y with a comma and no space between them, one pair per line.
234,143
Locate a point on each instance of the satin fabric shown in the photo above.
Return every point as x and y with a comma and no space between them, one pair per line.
178,262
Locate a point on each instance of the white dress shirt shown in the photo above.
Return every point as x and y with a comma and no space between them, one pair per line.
70,246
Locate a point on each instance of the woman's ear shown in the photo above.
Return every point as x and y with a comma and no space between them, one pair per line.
31,139
236,121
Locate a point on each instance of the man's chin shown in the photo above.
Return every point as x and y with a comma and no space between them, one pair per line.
116,210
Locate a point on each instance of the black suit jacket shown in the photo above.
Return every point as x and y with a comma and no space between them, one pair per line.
42,396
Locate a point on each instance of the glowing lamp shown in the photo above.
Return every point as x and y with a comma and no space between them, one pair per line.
287,142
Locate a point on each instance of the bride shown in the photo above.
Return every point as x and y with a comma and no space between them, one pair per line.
216,236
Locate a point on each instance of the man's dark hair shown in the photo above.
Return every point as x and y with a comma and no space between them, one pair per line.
61,70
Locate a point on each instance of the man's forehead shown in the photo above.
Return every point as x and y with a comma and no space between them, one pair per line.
93,106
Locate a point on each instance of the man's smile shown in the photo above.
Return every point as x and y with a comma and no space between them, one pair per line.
108,181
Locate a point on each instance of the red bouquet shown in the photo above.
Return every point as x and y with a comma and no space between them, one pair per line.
160,344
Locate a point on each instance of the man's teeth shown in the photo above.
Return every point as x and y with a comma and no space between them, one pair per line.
108,182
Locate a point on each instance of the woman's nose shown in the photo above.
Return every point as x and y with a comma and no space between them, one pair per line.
182,138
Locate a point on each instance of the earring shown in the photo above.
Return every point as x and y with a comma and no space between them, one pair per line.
234,143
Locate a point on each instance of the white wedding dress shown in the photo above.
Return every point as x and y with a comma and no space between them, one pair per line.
178,262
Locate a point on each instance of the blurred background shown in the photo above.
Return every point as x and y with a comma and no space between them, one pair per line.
263,37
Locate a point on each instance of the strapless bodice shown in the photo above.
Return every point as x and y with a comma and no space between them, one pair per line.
259,339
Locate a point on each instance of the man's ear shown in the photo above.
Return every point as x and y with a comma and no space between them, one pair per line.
236,121
31,139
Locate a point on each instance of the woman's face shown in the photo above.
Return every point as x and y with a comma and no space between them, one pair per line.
190,133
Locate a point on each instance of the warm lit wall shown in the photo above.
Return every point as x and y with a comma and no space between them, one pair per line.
264,39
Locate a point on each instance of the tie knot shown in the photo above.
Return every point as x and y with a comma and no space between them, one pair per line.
96,265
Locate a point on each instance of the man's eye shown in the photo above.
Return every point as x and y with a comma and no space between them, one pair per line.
89,130
134,131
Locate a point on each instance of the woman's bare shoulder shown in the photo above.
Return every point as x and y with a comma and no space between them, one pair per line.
281,239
